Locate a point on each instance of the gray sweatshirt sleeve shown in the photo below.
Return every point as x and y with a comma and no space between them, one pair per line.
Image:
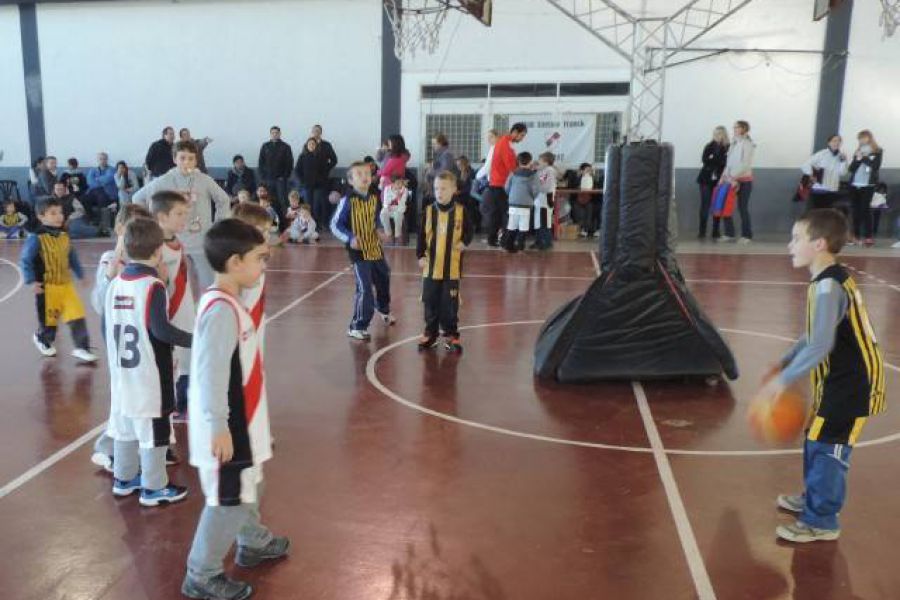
214,345
807,354
220,198
142,196
101,283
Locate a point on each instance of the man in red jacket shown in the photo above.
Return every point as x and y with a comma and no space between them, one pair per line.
503,162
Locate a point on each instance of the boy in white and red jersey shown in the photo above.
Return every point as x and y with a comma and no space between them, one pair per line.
139,340
172,210
229,427
254,298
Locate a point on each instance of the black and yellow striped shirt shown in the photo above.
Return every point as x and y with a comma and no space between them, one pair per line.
54,254
357,218
848,385
444,229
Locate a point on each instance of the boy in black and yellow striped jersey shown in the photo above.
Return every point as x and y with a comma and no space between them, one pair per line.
356,224
48,261
841,354
444,233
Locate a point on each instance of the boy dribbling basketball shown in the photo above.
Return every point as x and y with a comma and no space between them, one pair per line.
842,355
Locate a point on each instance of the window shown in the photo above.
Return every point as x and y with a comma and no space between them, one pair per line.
609,131
463,131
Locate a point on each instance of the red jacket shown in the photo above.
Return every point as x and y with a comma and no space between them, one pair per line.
503,162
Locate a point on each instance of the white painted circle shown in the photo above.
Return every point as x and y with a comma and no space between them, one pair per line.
373,379
19,283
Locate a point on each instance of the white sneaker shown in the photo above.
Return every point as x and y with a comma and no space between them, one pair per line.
725,238
103,460
388,318
358,334
582,233
896,245
744,240
45,349
83,355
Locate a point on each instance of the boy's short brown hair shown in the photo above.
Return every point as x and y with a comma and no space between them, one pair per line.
251,213
547,157
45,204
164,202
143,237
186,146
524,159
447,176
227,238
131,211
827,224
357,164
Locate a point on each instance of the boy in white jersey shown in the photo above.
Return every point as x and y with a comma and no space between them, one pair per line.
171,210
254,298
229,427
139,339
111,264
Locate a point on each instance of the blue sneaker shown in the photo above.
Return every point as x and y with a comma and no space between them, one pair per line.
126,488
167,495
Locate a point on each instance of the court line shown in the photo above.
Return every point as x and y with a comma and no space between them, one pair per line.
692,554
90,435
19,284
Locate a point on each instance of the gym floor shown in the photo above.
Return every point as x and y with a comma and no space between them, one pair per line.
402,475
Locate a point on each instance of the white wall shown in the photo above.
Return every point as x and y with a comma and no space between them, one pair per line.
223,68
872,86
13,115
532,41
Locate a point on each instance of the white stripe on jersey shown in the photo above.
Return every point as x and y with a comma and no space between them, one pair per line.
181,307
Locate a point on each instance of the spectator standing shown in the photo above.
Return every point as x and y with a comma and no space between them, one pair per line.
714,158
184,135
503,162
484,173
310,174
864,171
825,168
275,163
326,152
126,183
160,158
443,161
739,173
240,177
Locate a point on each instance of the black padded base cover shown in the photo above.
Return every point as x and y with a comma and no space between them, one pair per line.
637,320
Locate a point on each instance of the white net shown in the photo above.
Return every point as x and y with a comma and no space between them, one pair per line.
890,16
416,24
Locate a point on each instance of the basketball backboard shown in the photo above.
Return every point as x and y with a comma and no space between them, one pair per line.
480,9
821,8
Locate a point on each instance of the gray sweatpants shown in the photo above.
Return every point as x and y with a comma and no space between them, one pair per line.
218,529
104,444
150,462
203,270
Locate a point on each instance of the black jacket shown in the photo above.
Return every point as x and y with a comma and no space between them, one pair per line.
246,180
159,158
276,159
715,155
310,170
874,163
328,158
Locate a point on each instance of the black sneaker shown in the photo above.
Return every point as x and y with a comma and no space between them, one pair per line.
427,341
171,458
248,558
453,344
219,587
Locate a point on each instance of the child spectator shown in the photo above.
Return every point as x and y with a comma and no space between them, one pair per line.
543,202
48,261
171,211
262,195
12,223
464,193
229,452
303,227
111,264
243,196
585,200
75,181
393,208
139,339
445,231
522,187
846,363
355,224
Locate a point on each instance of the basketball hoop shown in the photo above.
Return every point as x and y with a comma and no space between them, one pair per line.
890,17
417,23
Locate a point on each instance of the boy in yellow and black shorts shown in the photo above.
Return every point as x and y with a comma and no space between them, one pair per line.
444,232
48,261
841,356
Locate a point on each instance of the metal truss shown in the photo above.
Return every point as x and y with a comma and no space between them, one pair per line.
647,44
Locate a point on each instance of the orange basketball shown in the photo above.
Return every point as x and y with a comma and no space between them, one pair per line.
778,420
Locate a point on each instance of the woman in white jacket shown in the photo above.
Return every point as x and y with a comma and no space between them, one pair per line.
739,172
826,167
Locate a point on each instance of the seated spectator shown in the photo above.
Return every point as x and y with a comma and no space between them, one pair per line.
34,173
74,178
373,167
102,190
266,202
47,177
243,196
240,176
126,182
61,192
12,222
78,224
393,208
301,227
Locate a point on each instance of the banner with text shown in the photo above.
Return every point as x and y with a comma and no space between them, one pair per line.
570,136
